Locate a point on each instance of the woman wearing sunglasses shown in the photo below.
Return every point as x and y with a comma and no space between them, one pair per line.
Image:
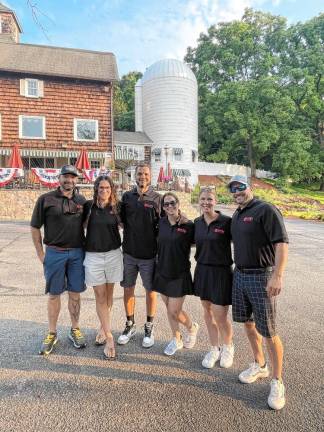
213,278
173,278
103,260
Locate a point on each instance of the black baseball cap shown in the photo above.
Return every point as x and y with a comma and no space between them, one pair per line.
69,169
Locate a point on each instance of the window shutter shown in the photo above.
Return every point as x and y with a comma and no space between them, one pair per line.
22,87
40,88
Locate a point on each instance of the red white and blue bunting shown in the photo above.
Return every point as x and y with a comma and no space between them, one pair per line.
47,176
92,174
7,175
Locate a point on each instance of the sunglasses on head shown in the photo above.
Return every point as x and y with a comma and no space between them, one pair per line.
237,188
170,204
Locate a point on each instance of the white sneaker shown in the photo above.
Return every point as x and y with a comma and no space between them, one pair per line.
254,372
173,346
148,339
211,358
128,333
276,399
227,356
190,337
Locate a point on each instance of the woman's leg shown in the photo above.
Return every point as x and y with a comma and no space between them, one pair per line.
176,315
224,325
211,323
104,301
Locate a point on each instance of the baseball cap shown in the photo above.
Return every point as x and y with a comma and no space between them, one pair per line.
69,169
239,179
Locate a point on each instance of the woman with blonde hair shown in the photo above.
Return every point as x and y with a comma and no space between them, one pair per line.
103,259
213,278
173,278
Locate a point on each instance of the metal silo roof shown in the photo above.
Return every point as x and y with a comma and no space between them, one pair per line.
168,68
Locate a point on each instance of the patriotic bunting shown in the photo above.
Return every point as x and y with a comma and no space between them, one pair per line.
7,175
47,176
93,174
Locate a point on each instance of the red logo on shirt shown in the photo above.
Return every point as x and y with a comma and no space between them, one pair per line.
182,230
219,231
148,205
248,219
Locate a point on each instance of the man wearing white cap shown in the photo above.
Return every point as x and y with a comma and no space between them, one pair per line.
260,255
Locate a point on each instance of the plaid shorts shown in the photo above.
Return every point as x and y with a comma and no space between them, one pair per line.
250,301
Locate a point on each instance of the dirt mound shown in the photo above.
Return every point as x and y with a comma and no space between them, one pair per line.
260,184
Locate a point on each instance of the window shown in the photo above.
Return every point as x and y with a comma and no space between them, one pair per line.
32,88
72,160
32,127
177,154
85,130
157,154
95,164
193,154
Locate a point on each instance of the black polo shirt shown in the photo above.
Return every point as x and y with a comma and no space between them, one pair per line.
255,231
140,216
102,229
174,243
62,218
213,241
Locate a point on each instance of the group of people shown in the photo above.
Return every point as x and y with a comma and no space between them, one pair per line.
83,248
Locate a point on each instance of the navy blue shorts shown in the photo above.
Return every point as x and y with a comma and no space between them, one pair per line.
64,271
250,302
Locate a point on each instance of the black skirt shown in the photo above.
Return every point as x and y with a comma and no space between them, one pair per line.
171,287
214,284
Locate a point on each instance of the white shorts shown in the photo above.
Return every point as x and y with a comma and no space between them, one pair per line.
103,267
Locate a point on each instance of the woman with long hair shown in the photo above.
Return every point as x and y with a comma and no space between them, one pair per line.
173,278
213,278
103,259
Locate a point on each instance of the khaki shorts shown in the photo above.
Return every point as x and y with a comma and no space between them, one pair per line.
103,267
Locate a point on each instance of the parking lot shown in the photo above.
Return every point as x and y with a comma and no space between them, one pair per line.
143,390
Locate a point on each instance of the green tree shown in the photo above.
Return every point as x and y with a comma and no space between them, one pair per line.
124,102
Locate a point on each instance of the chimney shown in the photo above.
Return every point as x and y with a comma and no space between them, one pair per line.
10,28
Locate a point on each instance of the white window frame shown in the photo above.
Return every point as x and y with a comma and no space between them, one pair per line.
75,129
29,80
22,117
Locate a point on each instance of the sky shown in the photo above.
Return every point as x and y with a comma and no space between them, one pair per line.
140,32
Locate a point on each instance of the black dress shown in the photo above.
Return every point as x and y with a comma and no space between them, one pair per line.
213,274
172,277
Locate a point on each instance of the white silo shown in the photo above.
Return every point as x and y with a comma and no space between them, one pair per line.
167,94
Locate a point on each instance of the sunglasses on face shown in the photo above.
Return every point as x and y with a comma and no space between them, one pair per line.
170,204
237,188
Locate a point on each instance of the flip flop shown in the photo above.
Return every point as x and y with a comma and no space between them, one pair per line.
111,350
100,339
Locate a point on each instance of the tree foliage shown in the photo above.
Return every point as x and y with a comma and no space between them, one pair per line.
124,102
261,93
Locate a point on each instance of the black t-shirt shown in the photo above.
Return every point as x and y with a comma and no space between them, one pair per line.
255,231
174,242
213,241
102,230
140,216
62,218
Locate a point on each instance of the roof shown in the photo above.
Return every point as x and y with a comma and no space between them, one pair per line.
58,62
131,138
168,68
4,8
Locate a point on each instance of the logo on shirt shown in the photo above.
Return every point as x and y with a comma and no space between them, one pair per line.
219,231
182,230
148,205
248,219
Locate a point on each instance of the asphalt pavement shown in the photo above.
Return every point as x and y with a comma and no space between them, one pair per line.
143,390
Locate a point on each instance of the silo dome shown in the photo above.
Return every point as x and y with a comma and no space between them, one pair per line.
166,102
168,68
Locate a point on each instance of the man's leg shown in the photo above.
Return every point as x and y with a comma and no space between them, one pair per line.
275,350
151,303
255,340
74,305
129,301
146,269
53,311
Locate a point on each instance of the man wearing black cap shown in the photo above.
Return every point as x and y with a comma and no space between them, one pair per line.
260,255
61,214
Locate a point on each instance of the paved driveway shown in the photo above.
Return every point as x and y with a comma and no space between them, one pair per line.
144,390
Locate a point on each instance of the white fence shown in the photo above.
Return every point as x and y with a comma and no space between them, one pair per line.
210,168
